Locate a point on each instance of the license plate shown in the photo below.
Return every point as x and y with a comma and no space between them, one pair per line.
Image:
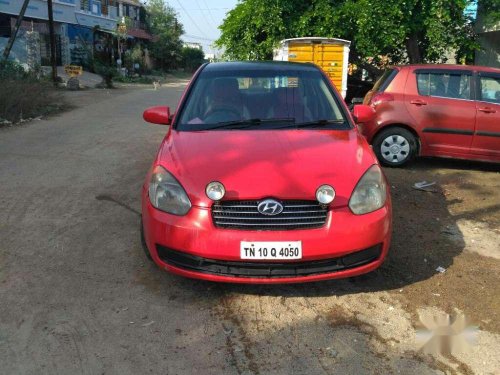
271,250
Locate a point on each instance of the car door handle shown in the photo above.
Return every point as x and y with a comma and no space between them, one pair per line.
486,110
418,102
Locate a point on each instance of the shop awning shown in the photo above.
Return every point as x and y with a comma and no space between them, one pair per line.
139,33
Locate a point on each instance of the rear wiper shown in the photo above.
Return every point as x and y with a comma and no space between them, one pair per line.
240,124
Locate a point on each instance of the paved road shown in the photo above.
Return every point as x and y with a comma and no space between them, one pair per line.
78,296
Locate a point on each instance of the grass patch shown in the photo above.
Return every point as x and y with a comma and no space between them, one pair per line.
23,95
21,100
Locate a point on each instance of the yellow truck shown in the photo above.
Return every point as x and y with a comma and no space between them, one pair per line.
330,54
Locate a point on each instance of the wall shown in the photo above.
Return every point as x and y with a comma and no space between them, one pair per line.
488,31
489,55
65,11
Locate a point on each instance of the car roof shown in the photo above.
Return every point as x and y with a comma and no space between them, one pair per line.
450,67
260,65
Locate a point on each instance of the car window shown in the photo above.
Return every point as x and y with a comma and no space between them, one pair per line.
490,89
446,85
385,80
272,97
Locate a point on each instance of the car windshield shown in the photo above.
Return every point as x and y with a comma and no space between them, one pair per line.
263,99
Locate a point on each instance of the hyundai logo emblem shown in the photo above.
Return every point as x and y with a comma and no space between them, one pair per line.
270,207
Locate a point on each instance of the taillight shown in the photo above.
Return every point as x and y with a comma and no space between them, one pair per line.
380,98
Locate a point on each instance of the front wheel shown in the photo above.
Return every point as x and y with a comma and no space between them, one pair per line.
395,147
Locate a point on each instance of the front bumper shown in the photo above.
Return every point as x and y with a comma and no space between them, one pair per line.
368,130
192,246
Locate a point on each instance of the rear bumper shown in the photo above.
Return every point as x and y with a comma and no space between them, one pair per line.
192,246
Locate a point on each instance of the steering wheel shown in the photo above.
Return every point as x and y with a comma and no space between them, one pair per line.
222,112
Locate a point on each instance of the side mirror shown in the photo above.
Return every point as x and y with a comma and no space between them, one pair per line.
363,113
157,115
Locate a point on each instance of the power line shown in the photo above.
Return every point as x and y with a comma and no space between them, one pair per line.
203,14
189,16
199,37
202,9
210,12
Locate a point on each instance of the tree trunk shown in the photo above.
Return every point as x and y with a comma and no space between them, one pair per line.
413,50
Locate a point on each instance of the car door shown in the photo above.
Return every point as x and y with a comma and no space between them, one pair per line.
486,139
440,103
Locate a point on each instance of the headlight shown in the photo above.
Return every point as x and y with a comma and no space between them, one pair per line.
325,194
215,191
370,192
166,194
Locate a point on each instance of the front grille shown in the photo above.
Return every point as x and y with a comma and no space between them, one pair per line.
296,214
266,269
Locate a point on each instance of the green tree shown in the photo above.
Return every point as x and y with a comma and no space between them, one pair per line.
192,58
133,56
253,27
413,31
381,32
489,11
162,22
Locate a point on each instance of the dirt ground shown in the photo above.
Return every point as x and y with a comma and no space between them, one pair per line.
78,296
455,226
449,228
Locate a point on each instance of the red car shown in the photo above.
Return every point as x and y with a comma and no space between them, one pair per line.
264,178
435,110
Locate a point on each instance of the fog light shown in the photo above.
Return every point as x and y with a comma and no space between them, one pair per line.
215,191
325,194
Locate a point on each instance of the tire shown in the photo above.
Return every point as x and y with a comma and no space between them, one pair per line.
143,243
395,147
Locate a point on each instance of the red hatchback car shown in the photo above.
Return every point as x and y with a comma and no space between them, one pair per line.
435,110
264,178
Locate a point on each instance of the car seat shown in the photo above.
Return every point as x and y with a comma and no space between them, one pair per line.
225,96
289,104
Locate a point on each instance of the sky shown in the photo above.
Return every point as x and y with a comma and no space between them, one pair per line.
201,19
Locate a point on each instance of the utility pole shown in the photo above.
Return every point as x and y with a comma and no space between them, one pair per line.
12,38
121,32
52,42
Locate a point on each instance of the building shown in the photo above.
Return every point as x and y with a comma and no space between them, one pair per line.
488,32
135,13
81,27
192,45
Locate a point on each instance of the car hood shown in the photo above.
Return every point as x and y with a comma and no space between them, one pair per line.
282,164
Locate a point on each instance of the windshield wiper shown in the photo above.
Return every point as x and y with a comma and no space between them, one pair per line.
314,123
319,122
241,124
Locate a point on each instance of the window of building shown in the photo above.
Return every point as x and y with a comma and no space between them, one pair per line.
105,7
85,5
5,28
96,7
